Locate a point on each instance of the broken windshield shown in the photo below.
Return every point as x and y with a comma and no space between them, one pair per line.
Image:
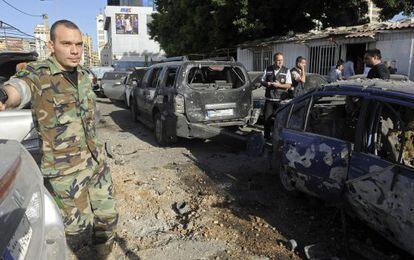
216,76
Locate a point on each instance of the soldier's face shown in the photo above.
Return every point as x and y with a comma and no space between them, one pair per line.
67,47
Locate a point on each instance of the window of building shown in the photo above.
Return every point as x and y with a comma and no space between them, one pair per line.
322,58
257,61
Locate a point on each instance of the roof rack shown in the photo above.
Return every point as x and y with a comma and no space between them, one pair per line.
229,58
197,57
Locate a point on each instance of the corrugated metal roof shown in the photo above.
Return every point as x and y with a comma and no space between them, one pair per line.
359,31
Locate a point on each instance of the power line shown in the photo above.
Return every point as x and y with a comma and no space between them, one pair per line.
33,15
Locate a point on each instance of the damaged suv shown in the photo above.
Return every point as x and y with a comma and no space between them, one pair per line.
193,99
353,142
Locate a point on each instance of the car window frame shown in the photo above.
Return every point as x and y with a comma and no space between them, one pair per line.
375,117
151,79
309,99
165,77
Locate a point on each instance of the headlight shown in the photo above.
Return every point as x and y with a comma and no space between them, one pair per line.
33,209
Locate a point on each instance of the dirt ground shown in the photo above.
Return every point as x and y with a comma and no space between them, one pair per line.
207,200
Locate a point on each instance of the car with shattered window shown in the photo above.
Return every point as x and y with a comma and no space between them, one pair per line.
188,98
30,222
17,124
352,143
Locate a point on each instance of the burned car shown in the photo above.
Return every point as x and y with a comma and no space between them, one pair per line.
193,98
352,143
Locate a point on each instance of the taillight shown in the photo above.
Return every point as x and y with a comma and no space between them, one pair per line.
179,104
7,180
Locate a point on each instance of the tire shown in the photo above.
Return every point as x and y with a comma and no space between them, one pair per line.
134,112
159,131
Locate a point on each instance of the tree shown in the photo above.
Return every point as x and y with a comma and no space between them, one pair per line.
203,26
392,7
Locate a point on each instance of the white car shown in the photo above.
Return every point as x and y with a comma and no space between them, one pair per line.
30,222
113,84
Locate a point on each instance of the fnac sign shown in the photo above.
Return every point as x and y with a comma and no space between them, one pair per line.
125,10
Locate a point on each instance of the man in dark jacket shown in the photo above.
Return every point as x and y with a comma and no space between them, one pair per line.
378,70
277,80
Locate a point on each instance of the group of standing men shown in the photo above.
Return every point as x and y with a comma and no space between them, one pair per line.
374,66
279,81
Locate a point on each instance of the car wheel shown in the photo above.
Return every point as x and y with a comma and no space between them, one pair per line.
159,131
133,107
286,181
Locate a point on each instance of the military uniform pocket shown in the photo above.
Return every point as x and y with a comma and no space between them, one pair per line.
65,108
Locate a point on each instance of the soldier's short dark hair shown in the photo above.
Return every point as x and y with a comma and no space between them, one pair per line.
66,23
299,59
373,53
277,54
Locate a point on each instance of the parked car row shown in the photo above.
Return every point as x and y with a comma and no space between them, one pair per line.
352,143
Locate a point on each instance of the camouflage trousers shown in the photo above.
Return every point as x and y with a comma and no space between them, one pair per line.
86,200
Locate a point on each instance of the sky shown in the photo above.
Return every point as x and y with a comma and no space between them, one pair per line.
81,12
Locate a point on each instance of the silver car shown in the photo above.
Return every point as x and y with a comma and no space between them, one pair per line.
18,124
113,84
30,223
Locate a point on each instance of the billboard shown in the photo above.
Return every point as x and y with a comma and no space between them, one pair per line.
126,23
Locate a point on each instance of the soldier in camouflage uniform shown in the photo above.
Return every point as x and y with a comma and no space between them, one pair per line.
73,162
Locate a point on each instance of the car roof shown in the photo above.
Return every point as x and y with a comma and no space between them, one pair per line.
195,62
376,87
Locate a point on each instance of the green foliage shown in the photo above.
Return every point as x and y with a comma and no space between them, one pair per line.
202,26
393,7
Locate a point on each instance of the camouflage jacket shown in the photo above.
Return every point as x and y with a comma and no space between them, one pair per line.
64,116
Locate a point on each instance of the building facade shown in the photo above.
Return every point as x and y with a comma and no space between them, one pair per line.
101,35
41,33
128,41
323,48
87,50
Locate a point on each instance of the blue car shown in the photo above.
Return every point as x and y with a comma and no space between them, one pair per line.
352,143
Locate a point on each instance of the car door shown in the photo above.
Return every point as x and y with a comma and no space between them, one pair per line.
315,147
150,92
140,91
381,175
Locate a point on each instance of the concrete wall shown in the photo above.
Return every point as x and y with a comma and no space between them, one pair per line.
290,50
398,47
